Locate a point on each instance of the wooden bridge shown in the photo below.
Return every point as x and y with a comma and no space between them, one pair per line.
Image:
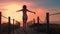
47,22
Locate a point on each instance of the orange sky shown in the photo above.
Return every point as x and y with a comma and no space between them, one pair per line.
10,8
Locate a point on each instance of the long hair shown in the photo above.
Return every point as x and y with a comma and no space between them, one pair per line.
24,7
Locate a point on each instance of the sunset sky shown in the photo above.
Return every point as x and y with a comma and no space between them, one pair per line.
9,8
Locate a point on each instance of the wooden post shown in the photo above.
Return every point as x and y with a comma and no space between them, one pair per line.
9,25
13,26
38,19
0,22
13,21
33,20
47,20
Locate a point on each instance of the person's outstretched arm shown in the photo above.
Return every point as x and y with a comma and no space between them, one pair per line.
19,10
31,11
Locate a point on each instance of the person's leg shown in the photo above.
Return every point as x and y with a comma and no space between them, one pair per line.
24,26
24,23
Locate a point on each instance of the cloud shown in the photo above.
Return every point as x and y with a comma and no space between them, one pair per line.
39,3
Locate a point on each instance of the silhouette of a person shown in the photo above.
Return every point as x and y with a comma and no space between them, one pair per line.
25,17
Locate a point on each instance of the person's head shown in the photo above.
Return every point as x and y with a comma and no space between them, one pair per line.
24,7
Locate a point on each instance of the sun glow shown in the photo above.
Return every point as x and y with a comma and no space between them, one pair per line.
11,11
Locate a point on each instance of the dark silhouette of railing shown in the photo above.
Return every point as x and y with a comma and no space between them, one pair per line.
54,14
9,23
47,19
